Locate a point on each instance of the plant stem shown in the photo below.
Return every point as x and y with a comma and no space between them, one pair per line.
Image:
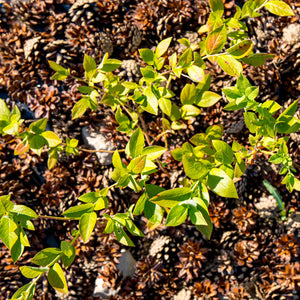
54,218
144,128
160,135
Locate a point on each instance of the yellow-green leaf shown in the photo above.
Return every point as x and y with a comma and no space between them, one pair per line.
241,49
279,8
86,225
230,65
216,40
221,184
57,279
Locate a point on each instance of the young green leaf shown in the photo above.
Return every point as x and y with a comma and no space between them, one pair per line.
122,236
132,228
80,108
76,212
153,152
52,139
177,215
208,99
7,234
137,165
25,292
136,143
32,272
86,225
17,250
165,105
279,8
196,73
189,111
147,55
162,47
110,65
24,212
224,152
230,65
46,256
89,66
57,279
140,204
221,184
194,168
170,198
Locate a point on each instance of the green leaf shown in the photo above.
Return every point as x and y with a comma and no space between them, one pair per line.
250,118
52,139
279,8
185,58
153,152
216,40
257,59
165,105
59,76
23,238
89,66
90,197
240,49
139,206
24,212
137,165
38,126
196,216
122,236
46,256
136,143
151,103
57,68
208,99
76,212
224,153
216,5
147,55
5,204
170,198
57,279
7,234
162,47
188,93
177,215
221,184
26,292
4,111
116,160
111,65
273,191
80,108
17,250
196,73
32,272
189,111
133,229
194,168
86,225
230,65
214,132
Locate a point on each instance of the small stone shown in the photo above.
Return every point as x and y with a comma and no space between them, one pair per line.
101,290
97,141
127,264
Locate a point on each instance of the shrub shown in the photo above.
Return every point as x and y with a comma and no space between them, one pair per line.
209,163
